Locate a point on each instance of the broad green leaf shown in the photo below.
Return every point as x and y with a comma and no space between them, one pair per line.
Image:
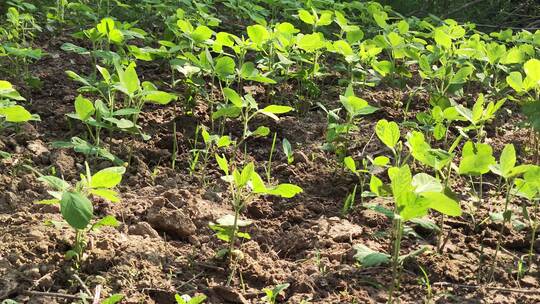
120,123
442,38
222,163
129,79
383,67
403,27
461,75
380,18
246,174
356,106
325,18
233,97
401,185
159,97
311,42
228,221
108,221
306,17
381,161
532,70
388,132
422,151
476,159
15,113
261,131
515,81
76,209
227,111
7,91
84,108
225,67
442,203
370,258
258,34
201,34
277,109
285,190
107,178
375,185
55,182
350,164
423,182
507,160
343,48
107,194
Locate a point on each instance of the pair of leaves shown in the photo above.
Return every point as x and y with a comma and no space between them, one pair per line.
476,159
415,196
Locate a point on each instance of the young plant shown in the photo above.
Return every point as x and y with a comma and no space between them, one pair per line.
287,150
437,159
247,108
211,144
10,111
509,171
360,173
244,186
480,114
413,196
76,204
476,161
529,188
338,132
272,294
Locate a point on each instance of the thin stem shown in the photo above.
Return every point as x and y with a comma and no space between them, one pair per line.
398,233
506,218
533,232
269,167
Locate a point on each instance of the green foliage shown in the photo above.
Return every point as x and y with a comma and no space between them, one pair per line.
76,205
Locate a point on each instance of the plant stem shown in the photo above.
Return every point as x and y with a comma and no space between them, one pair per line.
505,220
175,147
396,246
269,168
533,233
233,239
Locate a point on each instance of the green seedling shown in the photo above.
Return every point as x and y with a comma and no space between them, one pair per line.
360,174
528,88
211,144
529,188
272,294
475,161
247,108
16,38
413,197
10,111
437,159
509,171
76,204
97,116
287,150
480,114
244,186
338,131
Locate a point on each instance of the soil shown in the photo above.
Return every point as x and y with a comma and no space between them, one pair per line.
164,245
